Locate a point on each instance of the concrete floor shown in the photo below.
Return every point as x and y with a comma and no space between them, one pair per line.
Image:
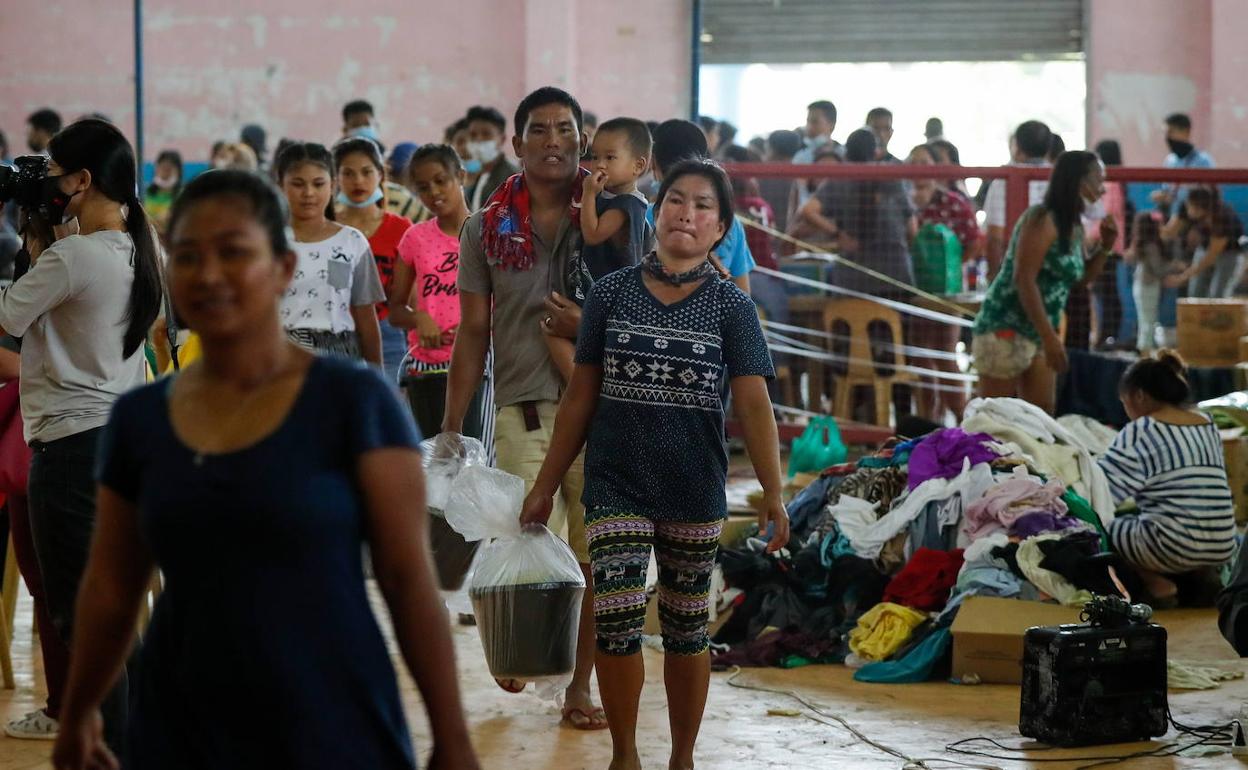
520,732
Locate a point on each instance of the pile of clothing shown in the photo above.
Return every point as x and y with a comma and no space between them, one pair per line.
884,550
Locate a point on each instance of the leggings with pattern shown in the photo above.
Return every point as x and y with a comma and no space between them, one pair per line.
619,553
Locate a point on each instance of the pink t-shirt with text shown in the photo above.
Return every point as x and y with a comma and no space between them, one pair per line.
434,258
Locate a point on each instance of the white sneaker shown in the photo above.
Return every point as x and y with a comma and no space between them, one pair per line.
35,726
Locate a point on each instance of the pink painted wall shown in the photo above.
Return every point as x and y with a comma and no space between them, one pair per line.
291,64
1229,84
1149,58
633,58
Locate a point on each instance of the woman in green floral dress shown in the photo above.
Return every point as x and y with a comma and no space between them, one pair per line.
1017,348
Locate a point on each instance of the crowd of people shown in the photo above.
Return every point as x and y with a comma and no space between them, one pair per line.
589,312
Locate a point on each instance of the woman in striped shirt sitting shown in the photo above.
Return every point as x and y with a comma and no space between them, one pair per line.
1169,459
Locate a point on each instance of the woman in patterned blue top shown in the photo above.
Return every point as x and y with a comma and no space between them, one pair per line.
252,479
1169,460
655,341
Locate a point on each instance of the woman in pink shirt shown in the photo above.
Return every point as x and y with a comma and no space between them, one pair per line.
424,298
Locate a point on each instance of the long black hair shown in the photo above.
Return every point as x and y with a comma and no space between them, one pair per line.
713,173
1064,199
1110,152
98,147
266,202
307,152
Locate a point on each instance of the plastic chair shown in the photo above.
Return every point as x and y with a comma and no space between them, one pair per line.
863,369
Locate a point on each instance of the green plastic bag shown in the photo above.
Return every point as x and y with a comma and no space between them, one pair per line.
937,258
820,446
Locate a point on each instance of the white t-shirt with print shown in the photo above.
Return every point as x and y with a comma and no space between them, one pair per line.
331,277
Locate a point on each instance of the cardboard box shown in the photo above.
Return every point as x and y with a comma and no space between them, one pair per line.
988,635
1209,330
1235,453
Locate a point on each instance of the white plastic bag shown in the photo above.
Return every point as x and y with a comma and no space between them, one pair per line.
526,586
445,455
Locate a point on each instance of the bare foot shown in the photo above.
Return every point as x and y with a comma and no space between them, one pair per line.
1159,586
511,685
680,765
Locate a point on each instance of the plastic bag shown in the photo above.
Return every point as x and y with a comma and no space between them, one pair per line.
445,456
820,446
526,585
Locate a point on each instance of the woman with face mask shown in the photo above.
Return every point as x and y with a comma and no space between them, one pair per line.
359,204
165,186
1017,349
83,312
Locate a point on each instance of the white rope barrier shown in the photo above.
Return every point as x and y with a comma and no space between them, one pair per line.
900,307
838,259
910,350
834,358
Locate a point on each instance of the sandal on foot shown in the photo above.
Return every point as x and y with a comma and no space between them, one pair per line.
594,719
36,726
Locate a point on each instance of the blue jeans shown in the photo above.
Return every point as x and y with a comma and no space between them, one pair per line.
1125,278
393,348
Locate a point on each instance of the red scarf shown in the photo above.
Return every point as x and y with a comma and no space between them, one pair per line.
507,226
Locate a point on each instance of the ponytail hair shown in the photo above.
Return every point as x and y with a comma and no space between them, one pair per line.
1162,377
99,147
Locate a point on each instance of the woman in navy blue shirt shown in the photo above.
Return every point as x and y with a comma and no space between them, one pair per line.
252,479
654,343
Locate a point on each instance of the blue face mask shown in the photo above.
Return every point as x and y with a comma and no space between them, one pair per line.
472,165
370,201
366,132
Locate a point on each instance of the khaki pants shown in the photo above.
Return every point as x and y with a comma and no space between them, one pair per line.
521,453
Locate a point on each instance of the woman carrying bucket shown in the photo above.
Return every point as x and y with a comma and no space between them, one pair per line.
654,342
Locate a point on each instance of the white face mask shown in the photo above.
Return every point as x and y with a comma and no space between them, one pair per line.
486,151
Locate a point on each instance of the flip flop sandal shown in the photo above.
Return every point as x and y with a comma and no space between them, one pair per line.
595,719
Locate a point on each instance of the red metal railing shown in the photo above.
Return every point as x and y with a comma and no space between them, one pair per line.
1016,177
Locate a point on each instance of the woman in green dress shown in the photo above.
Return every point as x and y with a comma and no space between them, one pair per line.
1018,350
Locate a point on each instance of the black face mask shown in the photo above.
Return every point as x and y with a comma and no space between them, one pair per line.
1180,148
54,201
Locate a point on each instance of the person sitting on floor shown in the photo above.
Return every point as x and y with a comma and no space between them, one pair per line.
1169,459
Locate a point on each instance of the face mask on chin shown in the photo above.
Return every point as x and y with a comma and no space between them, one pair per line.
471,165
1180,148
369,201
